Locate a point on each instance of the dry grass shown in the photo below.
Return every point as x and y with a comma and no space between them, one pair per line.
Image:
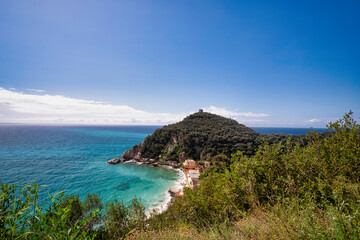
187,232
280,222
263,225
167,233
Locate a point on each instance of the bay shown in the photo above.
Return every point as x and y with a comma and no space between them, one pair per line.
73,158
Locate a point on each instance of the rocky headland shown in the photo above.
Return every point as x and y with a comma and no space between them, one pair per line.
199,136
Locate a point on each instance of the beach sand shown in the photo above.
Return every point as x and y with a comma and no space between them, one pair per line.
178,187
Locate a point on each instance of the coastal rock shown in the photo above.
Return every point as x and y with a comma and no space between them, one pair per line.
133,153
173,164
144,160
115,161
129,154
137,156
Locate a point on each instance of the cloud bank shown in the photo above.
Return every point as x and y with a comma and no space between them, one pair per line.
37,107
231,114
314,120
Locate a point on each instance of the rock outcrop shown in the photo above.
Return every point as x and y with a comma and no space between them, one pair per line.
129,154
115,161
136,156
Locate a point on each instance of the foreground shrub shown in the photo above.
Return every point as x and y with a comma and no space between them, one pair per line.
22,216
323,176
121,220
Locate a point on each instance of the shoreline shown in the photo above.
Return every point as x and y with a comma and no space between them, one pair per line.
178,186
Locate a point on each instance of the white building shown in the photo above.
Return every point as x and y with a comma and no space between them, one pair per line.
194,174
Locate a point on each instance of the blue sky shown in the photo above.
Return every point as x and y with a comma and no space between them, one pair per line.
264,63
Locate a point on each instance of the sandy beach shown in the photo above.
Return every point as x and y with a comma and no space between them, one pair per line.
178,187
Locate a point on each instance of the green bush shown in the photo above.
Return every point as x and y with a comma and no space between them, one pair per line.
121,220
323,176
24,217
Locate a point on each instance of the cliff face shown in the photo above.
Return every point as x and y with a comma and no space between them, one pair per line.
199,136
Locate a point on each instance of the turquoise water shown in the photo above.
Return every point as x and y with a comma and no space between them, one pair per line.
74,159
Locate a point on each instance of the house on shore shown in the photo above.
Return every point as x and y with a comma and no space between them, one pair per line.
194,175
190,164
192,172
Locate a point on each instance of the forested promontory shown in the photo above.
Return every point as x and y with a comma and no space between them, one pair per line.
201,136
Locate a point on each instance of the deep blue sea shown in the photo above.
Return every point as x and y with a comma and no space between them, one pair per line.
73,158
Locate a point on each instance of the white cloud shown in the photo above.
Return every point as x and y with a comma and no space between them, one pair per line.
314,120
232,114
34,90
39,107
18,107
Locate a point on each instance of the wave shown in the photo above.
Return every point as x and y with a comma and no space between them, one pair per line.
179,185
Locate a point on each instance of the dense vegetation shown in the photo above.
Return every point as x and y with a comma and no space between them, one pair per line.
196,136
283,191
23,216
201,136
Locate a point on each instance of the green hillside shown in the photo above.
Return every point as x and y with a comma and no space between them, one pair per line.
199,136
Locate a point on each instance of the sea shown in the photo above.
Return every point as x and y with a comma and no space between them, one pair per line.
286,130
73,159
